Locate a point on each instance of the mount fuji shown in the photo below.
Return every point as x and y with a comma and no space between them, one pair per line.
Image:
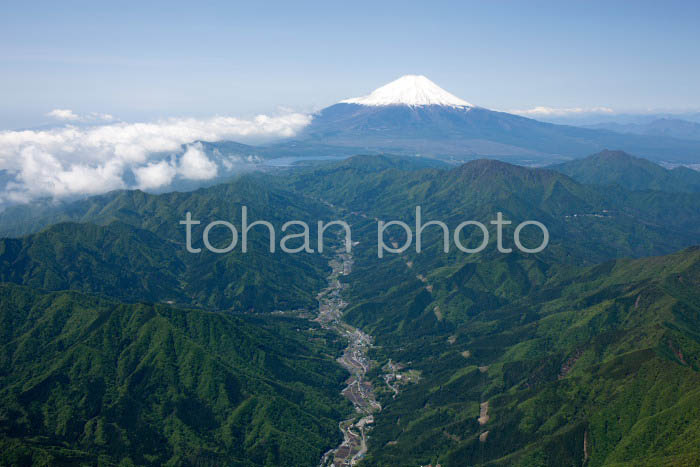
414,116
412,91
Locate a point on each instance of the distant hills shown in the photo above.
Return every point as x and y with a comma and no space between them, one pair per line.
672,127
632,173
585,220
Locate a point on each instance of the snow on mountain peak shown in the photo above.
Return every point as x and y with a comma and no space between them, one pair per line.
411,90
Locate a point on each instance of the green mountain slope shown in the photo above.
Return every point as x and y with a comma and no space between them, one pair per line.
86,380
632,173
608,354
565,356
586,224
137,252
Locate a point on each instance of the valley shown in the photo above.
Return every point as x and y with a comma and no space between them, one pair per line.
355,360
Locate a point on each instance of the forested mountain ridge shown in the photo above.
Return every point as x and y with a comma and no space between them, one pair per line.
137,251
632,173
594,224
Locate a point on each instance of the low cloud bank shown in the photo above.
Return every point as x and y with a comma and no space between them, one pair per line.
71,160
67,115
542,111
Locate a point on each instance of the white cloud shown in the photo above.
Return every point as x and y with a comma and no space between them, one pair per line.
541,111
74,160
195,165
63,114
96,116
68,115
41,173
154,175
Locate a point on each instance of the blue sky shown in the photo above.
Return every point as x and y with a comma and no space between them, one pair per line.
138,61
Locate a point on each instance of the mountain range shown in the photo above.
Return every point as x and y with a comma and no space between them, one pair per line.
119,347
673,127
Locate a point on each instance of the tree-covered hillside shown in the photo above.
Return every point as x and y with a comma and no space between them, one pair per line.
632,173
84,380
572,364
597,366
131,246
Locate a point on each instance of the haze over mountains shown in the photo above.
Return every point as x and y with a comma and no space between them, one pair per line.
674,127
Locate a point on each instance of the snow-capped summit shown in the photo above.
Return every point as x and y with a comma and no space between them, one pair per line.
413,116
411,90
